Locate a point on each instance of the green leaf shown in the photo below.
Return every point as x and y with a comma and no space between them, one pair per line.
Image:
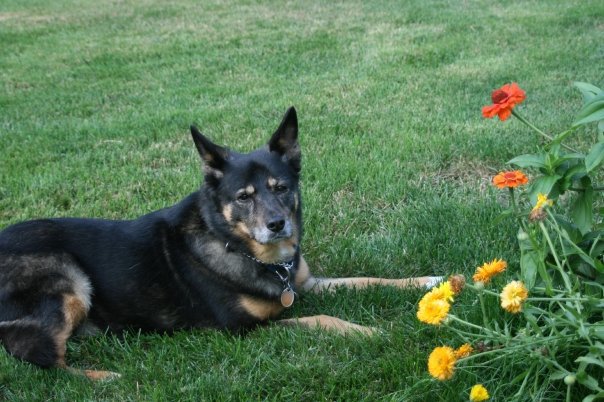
590,360
529,265
558,375
594,157
544,185
588,91
596,116
504,215
582,210
529,160
594,397
593,110
589,382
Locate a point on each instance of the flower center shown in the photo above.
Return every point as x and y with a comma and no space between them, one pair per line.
498,96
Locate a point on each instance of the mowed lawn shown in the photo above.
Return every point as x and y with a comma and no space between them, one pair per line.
96,98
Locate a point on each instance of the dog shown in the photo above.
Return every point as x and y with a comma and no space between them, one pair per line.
226,257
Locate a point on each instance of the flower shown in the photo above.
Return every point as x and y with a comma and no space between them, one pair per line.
432,310
488,270
441,363
513,296
542,202
478,393
504,99
510,179
464,350
445,291
457,283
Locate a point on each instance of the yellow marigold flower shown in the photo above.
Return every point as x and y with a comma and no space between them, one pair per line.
542,201
464,350
513,296
488,270
445,291
478,393
441,363
432,310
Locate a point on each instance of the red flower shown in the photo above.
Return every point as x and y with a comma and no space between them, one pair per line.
504,100
510,179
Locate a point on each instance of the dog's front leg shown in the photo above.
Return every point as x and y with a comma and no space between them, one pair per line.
328,323
307,282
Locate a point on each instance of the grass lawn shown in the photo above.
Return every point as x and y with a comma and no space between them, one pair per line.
96,98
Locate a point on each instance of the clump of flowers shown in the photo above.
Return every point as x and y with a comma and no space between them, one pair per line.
550,303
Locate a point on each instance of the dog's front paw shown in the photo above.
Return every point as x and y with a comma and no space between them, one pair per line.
429,282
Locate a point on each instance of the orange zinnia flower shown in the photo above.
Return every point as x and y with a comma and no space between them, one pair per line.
510,179
504,100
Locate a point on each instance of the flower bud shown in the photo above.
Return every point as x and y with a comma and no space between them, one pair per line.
570,379
457,283
537,215
479,285
522,236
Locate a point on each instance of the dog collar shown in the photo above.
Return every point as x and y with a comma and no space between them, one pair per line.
288,294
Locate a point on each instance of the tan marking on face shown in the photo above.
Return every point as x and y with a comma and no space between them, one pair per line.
259,308
272,182
250,189
242,230
227,212
274,252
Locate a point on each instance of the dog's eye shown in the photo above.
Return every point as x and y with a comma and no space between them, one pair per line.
243,197
280,188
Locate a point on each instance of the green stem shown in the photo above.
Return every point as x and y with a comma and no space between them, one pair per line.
489,292
469,324
509,349
556,299
516,209
555,255
485,320
546,136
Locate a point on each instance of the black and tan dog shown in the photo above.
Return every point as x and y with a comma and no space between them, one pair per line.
227,256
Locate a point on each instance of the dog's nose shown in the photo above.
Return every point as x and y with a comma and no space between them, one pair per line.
276,225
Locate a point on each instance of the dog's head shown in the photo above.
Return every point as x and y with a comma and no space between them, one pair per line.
255,197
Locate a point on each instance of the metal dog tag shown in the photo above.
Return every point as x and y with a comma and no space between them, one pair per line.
287,297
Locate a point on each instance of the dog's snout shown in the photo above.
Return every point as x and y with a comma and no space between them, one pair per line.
276,225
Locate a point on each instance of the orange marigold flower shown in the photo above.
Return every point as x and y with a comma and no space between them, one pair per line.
432,310
464,350
441,363
504,99
513,297
488,270
510,179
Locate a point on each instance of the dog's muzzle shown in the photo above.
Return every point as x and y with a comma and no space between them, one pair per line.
273,232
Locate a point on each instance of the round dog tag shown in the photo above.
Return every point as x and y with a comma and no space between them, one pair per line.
287,297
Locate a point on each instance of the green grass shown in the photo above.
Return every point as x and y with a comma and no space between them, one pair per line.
95,103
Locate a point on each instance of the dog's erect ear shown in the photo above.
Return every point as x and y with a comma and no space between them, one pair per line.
214,156
285,140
